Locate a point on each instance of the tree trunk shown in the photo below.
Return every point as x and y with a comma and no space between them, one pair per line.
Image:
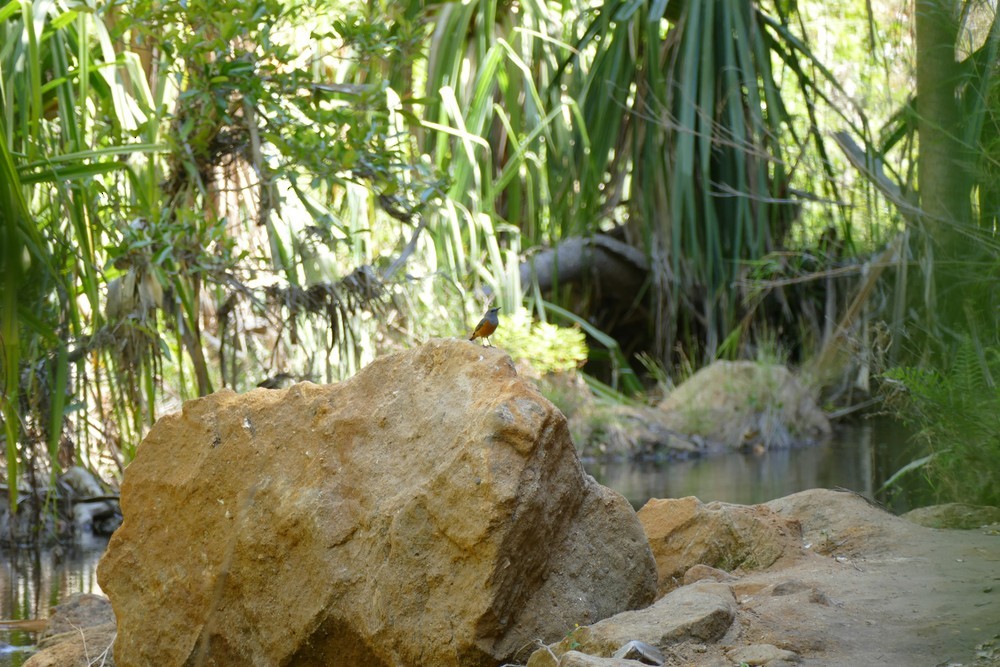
945,165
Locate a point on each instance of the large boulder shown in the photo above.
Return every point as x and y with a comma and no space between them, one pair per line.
429,511
745,405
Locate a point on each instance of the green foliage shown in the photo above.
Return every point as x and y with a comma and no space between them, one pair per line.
956,412
658,134
175,183
61,157
209,193
547,348
946,311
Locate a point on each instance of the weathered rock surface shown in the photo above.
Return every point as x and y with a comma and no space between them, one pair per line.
80,648
705,572
955,516
80,632
700,612
685,533
837,522
762,654
429,511
577,659
747,405
615,432
82,610
866,588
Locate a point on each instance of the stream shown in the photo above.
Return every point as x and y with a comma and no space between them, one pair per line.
859,457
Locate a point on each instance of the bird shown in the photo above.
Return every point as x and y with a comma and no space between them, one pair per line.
486,326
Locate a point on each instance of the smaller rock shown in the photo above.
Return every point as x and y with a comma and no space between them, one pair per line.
958,516
81,610
792,587
686,532
81,648
641,652
577,659
816,596
703,612
789,587
841,522
80,633
700,572
762,654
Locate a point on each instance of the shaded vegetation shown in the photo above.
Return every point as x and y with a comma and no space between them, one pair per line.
955,412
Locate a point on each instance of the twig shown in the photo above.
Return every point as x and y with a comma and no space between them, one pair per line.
876,266
850,409
407,251
104,654
83,638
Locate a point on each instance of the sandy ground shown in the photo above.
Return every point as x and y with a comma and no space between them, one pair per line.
879,590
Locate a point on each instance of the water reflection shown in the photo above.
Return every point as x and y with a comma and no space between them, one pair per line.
859,457
32,581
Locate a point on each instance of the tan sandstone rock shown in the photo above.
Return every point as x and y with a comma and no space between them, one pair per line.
867,588
577,659
840,522
685,533
762,654
745,404
701,612
429,511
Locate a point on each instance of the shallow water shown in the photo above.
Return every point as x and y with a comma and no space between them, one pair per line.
859,457
33,581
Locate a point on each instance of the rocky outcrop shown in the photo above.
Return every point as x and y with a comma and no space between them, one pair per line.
686,533
429,511
841,522
702,612
610,432
745,405
762,654
863,588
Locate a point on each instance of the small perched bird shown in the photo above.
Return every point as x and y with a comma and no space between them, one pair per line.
486,326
